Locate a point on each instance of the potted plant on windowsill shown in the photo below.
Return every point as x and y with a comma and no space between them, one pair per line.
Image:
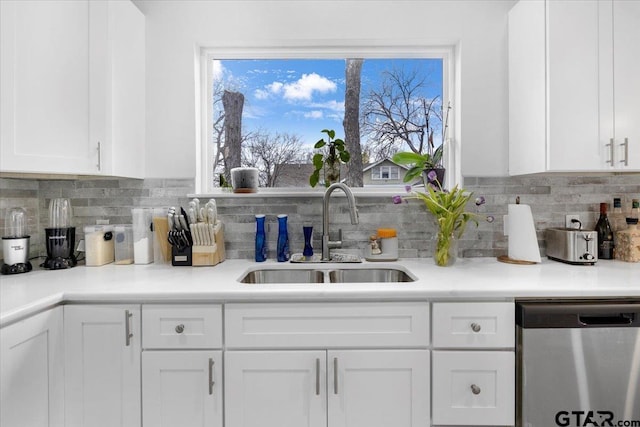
330,160
424,163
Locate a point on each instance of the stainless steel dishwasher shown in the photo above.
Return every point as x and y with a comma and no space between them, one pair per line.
578,363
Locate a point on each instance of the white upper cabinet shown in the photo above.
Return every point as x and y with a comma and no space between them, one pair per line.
72,82
571,86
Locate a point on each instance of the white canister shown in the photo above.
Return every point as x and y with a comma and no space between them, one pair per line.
123,244
388,243
142,235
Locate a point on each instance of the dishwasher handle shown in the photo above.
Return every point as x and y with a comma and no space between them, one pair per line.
621,319
578,314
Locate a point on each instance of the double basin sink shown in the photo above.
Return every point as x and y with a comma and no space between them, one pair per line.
327,275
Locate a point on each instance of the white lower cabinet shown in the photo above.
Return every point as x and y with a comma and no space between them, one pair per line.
182,388
275,388
102,365
32,371
473,388
338,388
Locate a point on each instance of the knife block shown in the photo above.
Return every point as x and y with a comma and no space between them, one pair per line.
209,255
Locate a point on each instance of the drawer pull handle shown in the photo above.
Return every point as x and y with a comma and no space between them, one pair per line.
335,375
127,328
475,327
180,329
317,377
475,389
211,381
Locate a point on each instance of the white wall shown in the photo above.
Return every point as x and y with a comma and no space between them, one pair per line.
175,29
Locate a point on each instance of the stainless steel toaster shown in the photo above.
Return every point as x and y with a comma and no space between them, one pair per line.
572,246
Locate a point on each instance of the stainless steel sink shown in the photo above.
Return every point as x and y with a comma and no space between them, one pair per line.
283,276
339,275
375,275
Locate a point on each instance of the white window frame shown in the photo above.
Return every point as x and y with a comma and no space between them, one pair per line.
321,50
380,169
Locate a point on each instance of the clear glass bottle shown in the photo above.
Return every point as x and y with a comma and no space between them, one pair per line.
261,239
283,239
617,217
605,234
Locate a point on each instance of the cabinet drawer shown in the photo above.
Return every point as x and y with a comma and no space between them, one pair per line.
474,325
473,388
327,325
182,326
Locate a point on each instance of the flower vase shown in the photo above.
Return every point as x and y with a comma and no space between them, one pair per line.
446,251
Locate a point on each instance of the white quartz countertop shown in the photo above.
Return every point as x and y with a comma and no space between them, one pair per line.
472,278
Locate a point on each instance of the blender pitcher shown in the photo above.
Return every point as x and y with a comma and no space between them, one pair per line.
15,245
60,237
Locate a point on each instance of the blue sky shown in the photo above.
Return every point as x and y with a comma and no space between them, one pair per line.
304,96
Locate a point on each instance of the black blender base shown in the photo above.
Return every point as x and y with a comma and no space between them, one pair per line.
22,267
59,263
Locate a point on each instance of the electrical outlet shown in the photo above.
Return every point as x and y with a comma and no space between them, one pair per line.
568,221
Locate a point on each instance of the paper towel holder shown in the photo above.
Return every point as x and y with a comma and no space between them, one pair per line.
530,237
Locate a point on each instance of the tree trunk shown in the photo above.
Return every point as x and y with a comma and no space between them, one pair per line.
351,122
233,103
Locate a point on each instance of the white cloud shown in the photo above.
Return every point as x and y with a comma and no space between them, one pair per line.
303,89
315,114
332,105
261,94
275,87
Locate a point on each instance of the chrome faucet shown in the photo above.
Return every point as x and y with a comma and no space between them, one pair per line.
353,211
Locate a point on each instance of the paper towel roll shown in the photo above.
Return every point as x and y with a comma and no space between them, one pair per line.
519,226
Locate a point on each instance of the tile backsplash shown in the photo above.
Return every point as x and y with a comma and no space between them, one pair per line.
550,198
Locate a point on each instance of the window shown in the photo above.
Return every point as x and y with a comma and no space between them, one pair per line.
385,172
286,103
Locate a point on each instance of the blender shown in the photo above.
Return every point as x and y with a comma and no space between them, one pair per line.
15,245
60,237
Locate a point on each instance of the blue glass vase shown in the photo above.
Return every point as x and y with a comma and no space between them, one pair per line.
261,239
307,230
283,239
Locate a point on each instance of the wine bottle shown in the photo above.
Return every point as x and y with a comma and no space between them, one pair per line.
605,234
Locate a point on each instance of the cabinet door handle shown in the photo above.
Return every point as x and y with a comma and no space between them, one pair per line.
127,327
475,327
317,377
99,157
475,389
335,375
179,328
612,149
211,381
625,144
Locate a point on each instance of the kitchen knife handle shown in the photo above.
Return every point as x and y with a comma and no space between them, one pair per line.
127,327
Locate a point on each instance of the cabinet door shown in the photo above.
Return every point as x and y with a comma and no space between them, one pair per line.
102,365
44,108
473,388
626,68
32,372
275,389
573,81
182,388
378,388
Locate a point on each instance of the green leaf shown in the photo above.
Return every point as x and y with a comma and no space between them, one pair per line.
314,178
318,161
320,144
330,132
345,156
412,173
338,142
409,157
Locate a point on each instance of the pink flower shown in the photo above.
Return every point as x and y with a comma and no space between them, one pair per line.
432,176
397,200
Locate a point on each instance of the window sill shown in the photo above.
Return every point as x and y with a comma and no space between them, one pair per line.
370,191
